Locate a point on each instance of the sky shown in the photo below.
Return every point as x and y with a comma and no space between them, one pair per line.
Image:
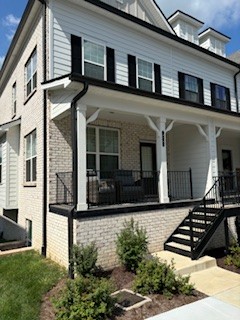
222,15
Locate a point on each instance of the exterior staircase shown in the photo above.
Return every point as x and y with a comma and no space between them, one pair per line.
192,236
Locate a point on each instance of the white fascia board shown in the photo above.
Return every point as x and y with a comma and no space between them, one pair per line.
57,84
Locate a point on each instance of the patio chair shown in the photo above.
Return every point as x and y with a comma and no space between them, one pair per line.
127,189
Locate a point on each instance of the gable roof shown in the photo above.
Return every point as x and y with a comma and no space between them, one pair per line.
149,10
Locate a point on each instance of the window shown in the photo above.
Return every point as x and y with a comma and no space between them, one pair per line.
94,60
220,97
31,157
31,73
190,88
0,163
145,75
14,99
102,149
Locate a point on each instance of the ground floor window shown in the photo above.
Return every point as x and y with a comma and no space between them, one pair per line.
29,232
102,149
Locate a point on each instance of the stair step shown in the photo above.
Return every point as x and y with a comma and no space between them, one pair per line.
197,225
208,217
178,248
183,239
186,230
208,209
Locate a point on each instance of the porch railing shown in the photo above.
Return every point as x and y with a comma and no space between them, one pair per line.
64,194
124,186
121,186
230,187
180,185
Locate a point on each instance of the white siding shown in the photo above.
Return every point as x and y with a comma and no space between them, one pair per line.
188,149
12,174
79,21
3,184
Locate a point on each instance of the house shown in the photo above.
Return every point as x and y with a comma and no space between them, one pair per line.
109,110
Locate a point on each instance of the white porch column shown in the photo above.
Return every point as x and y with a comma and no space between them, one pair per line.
213,163
82,157
162,160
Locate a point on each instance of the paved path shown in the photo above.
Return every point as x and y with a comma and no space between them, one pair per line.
221,285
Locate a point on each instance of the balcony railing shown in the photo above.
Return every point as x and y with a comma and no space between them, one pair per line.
124,186
230,187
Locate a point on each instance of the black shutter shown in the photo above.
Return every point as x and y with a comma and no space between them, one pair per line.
200,88
228,106
110,65
181,83
213,94
157,76
76,44
132,81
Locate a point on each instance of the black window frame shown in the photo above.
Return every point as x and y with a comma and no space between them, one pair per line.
183,91
218,103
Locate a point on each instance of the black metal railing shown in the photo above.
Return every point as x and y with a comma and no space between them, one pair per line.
121,186
124,186
205,218
64,193
180,185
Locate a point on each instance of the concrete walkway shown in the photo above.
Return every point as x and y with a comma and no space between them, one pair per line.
221,285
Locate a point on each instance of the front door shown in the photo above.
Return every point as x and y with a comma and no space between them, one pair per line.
228,184
148,167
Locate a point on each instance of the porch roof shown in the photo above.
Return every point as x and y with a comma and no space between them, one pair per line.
104,88
5,126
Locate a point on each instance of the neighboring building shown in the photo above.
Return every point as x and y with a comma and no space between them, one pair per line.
105,106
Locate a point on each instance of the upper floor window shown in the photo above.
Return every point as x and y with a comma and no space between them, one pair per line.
190,88
220,97
0,163
92,59
31,73
145,75
31,157
14,99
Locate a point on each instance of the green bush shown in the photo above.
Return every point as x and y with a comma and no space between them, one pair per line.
234,257
158,277
131,245
86,299
85,259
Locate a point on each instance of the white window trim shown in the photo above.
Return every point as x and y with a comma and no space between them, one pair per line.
97,153
33,72
145,78
31,157
94,63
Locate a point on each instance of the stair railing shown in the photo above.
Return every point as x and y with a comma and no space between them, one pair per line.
213,199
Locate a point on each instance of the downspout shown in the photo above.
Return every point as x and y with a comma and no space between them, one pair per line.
236,90
44,205
75,173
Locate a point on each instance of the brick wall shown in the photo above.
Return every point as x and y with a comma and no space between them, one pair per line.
159,225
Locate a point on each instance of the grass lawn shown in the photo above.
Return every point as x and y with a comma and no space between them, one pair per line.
24,279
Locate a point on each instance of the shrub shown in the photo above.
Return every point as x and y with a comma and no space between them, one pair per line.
158,277
234,257
85,259
131,245
86,299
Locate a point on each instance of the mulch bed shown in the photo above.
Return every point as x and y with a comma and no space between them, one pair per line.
123,279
